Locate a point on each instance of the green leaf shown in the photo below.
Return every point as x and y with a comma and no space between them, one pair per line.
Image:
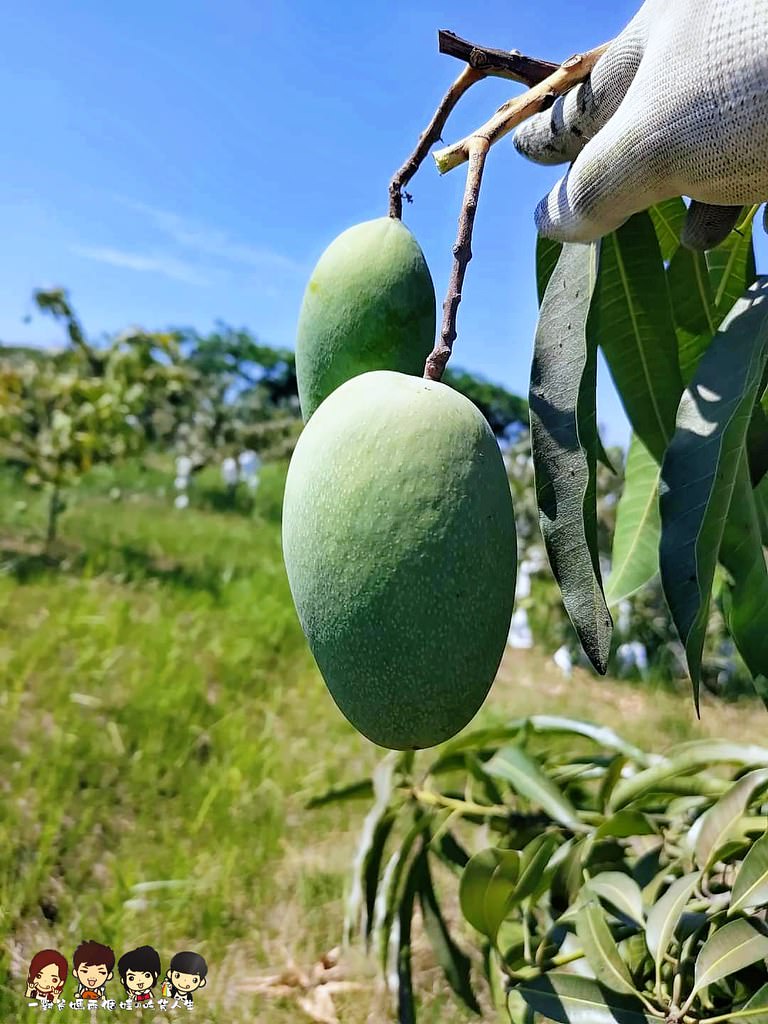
599,946
406,1007
533,862
370,846
564,445
353,791
699,468
569,999
758,1001
750,888
603,457
547,255
620,891
732,266
487,887
632,320
390,892
688,757
528,780
455,964
664,916
718,822
668,219
729,949
626,823
635,555
693,308
541,725
745,594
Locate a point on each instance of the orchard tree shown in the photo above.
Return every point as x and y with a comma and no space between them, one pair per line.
63,412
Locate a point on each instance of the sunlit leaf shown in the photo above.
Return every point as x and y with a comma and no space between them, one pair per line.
564,445
487,888
620,891
729,949
750,889
528,780
718,822
635,555
599,946
665,914
700,466
569,999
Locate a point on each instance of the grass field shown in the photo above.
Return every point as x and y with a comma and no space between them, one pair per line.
162,727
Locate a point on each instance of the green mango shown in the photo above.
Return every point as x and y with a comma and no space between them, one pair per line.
369,305
400,547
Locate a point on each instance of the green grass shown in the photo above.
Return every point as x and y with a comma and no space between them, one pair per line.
162,726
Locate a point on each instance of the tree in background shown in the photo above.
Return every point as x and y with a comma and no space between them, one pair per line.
63,412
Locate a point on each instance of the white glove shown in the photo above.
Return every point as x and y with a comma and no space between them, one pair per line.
678,105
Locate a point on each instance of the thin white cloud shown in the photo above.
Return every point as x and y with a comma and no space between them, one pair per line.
208,241
168,266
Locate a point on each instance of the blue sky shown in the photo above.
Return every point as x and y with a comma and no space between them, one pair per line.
174,163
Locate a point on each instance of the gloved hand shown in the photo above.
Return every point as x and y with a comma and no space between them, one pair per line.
678,105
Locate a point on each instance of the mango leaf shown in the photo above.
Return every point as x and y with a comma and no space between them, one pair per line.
455,964
401,978
375,831
731,266
729,949
664,916
632,320
569,999
487,887
744,597
533,862
528,780
620,891
758,1001
750,889
352,791
542,725
390,888
547,255
718,822
699,468
668,219
602,455
635,555
688,757
563,445
693,308
600,949
626,823
757,444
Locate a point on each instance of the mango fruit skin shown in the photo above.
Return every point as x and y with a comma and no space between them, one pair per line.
369,305
400,546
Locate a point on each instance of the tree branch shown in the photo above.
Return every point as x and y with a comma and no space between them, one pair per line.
482,62
518,109
428,137
462,254
499,63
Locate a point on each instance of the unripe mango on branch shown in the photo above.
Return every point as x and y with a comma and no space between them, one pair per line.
369,305
400,546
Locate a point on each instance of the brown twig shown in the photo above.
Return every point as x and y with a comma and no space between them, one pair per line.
482,62
462,254
517,110
428,137
499,63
